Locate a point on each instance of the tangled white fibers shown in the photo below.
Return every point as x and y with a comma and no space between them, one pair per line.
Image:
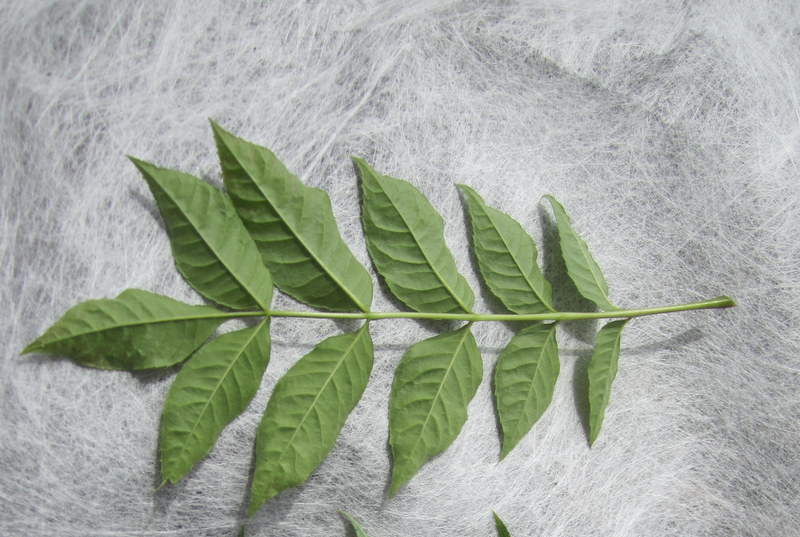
671,134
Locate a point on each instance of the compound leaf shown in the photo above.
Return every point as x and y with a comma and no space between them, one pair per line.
405,238
354,524
433,385
502,531
136,330
602,370
306,411
293,227
524,379
506,257
211,389
583,270
211,246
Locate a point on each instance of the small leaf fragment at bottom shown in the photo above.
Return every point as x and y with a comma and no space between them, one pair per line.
502,531
306,411
356,526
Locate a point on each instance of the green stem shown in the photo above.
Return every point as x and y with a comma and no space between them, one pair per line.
719,302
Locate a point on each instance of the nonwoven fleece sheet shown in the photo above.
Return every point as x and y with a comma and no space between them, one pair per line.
669,131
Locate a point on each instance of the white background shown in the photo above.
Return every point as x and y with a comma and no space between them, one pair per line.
671,134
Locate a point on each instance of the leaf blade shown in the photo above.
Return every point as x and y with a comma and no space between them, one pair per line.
507,258
525,378
211,246
212,389
293,227
602,370
136,330
433,385
583,270
306,411
405,239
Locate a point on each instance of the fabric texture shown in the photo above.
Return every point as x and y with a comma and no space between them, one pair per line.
669,131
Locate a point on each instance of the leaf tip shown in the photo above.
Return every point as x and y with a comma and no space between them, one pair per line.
467,190
144,167
33,346
505,450
549,197
252,507
394,486
218,131
360,165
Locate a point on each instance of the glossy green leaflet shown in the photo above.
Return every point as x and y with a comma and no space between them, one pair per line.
269,230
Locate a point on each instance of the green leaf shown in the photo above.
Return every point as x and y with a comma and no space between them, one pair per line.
433,385
306,411
356,526
583,270
136,330
211,246
293,227
524,379
602,370
506,257
502,531
214,387
405,238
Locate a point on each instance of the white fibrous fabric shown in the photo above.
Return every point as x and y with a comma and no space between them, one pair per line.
671,134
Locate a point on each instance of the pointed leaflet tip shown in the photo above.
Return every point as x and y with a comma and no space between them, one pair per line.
502,531
465,188
217,129
141,165
31,347
364,170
